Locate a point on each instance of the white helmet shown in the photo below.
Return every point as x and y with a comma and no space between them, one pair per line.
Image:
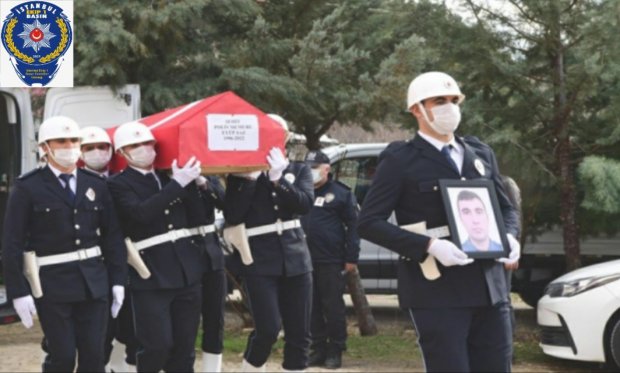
432,84
58,127
280,121
131,133
94,135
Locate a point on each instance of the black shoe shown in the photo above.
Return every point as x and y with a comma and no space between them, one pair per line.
333,360
317,358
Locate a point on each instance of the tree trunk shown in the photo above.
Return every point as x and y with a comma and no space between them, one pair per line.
365,319
568,203
566,180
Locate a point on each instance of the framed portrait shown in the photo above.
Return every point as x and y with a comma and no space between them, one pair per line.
474,217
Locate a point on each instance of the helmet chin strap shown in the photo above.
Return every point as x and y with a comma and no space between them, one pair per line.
430,123
423,110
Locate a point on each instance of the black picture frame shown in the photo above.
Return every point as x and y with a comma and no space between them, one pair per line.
468,203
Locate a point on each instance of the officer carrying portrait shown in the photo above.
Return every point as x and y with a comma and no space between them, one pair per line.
474,218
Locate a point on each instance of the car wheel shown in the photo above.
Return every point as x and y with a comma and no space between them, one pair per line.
612,345
531,293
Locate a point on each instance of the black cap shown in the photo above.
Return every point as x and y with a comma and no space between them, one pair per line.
316,157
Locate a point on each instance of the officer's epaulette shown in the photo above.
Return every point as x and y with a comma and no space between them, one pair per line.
92,173
30,173
338,182
475,142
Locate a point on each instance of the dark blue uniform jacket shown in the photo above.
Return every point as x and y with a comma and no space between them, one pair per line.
41,217
406,182
145,211
331,225
259,202
201,212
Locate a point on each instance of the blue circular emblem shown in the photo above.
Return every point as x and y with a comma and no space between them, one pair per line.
36,34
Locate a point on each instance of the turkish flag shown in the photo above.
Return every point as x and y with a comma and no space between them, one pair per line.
225,132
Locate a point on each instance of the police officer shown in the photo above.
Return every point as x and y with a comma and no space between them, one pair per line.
96,147
462,317
65,216
332,238
96,150
153,214
214,279
279,281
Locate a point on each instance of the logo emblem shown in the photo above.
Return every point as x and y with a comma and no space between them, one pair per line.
329,197
90,194
479,166
290,178
36,35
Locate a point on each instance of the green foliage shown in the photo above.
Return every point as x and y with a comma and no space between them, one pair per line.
319,62
600,178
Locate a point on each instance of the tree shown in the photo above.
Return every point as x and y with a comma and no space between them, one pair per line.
556,70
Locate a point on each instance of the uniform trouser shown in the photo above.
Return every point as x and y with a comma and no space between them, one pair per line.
166,322
329,323
276,301
471,339
122,329
70,327
213,302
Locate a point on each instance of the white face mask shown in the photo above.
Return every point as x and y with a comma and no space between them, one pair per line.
142,157
65,157
316,176
447,118
97,159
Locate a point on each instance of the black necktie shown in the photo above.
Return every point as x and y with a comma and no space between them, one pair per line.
153,180
446,153
66,178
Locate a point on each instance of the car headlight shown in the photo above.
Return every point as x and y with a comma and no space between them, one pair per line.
571,288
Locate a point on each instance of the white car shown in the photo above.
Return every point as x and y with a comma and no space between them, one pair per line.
579,315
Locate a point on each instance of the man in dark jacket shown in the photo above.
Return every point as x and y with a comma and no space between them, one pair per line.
334,247
63,218
462,316
279,281
154,213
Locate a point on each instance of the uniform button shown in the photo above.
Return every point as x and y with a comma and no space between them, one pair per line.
273,194
98,232
170,226
141,252
77,242
47,210
96,208
75,211
77,226
435,188
166,211
275,207
463,178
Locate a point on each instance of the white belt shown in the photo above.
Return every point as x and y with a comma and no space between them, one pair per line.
174,235
278,227
73,256
438,232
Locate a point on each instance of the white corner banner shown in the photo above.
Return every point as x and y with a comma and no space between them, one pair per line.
37,43
228,132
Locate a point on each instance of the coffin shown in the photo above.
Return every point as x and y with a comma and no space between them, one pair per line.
226,133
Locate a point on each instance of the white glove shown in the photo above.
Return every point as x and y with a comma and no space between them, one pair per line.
118,296
248,175
201,181
187,173
448,254
24,306
277,163
515,251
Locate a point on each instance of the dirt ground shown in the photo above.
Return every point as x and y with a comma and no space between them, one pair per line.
20,348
